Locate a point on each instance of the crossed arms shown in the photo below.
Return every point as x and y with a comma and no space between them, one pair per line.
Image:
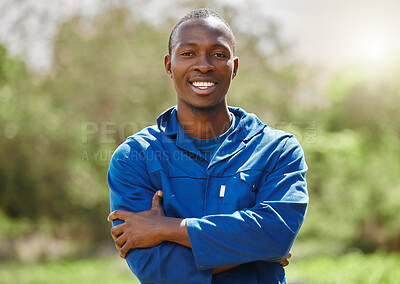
154,245
150,228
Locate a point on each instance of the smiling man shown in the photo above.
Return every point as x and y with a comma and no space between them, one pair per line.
210,194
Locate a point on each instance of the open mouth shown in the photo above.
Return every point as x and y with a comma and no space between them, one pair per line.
203,85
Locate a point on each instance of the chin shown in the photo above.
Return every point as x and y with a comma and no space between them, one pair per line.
203,108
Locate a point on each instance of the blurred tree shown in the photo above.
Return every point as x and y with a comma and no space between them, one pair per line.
366,99
107,82
107,78
355,164
28,187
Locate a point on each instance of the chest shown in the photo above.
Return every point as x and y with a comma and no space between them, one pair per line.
191,188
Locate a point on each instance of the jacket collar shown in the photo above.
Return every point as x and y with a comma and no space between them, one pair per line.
249,125
168,124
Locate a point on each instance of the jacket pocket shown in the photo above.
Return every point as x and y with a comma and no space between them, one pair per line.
239,192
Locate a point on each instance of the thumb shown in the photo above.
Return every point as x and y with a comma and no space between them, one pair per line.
157,199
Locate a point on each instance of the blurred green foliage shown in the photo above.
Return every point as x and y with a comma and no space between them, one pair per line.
86,271
34,156
355,268
107,82
355,162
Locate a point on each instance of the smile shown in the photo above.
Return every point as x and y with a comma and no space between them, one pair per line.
203,85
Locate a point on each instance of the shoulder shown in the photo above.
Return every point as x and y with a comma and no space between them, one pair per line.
283,137
135,145
257,131
284,141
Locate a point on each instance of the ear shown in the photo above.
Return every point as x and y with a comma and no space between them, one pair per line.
167,65
235,66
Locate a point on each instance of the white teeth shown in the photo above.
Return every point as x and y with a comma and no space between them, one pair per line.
203,85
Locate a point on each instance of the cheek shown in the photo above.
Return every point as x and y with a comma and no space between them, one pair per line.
176,83
180,66
227,69
228,75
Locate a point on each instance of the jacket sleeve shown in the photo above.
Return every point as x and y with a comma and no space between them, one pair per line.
263,232
131,189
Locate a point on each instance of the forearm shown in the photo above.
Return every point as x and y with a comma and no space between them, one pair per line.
265,231
166,263
174,230
240,239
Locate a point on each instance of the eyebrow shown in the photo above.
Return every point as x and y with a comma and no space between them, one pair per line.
187,44
195,44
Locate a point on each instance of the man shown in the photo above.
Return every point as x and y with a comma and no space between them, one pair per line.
210,194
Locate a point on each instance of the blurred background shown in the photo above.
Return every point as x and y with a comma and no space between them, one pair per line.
78,77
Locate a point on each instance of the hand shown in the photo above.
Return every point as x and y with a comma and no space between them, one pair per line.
285,262
139,230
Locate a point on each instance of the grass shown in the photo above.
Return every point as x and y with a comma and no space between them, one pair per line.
378,268
85,271
355,268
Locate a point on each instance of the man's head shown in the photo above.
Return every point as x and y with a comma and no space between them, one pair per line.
201,13
201,62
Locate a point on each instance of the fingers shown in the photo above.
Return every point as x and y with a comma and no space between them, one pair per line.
157,199
284,262
124,246
117,230
118,214
120,241
124,250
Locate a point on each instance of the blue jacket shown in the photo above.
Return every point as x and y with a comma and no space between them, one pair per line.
245,206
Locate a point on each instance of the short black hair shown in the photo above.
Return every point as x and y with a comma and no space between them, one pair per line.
202,13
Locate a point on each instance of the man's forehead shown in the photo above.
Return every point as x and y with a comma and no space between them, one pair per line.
189,28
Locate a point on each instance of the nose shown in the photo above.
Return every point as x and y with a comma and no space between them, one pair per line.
204,64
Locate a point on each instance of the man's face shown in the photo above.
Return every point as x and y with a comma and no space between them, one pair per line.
202,64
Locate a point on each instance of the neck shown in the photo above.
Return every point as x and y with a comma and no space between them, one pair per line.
204,123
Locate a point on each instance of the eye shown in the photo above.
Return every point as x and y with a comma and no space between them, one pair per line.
187,53
219,55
